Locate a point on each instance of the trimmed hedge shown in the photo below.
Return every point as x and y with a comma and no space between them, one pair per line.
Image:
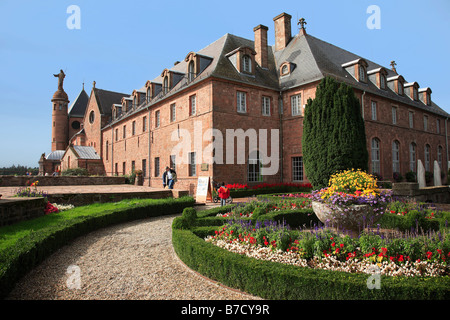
242,193
278,281
29,251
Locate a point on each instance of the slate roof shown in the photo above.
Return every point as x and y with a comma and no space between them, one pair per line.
105,100
85,152
313,59
316,59
55,155
78,107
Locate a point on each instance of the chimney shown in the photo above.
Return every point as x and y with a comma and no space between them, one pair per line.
261,45
282,30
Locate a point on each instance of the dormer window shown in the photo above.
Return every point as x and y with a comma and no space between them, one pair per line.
196,64
191,71
378,77
357,68
246,64
411,90
243,59
362,73
396,83
382,81
400,88
425,95
166,85
286,68
415,94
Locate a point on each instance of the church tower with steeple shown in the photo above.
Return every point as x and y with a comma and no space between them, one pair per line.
60,103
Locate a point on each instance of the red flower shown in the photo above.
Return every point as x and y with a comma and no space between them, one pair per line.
341,245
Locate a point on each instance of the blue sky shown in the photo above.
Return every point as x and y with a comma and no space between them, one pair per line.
122,44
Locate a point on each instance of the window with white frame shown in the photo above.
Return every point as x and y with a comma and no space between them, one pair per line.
411,119
362,73
192,105
254,167
425,123
296,105
394,115
382,81
247,64
297,169
266,106
157,167
375,155
192,164
173,162
439,156
374,110
412,157
427,157
241,101
157,119
173,112
395,156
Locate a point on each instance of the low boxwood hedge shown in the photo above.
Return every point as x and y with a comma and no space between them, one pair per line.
271,280
28,251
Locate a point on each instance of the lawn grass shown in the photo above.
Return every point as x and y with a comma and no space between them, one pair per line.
9,235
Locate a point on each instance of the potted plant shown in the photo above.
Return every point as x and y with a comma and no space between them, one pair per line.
351,202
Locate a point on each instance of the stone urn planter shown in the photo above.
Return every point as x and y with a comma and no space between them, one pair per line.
351,218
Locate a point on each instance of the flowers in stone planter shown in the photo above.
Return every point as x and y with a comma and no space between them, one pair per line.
352,187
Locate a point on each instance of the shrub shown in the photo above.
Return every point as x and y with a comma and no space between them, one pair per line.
75,172
411,176
333,132
397,177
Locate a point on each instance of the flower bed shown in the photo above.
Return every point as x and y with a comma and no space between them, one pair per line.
282,264
415,255
258,208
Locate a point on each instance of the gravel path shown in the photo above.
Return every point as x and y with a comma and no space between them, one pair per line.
132,261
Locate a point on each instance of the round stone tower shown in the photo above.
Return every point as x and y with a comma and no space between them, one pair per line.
60,121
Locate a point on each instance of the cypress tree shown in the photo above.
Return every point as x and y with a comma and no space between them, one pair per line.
334,136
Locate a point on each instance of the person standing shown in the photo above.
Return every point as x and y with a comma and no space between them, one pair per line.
224,194
165,178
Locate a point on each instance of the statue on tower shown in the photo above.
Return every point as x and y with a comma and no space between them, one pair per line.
60,77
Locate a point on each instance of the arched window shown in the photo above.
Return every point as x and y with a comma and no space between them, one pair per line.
427,157
362,73
376,156
91,116
396,156
254,167
166,85
412,157
246,64
192,74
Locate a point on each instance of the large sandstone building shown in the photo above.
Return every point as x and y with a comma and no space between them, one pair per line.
236,83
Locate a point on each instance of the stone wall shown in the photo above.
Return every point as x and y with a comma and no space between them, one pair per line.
16,210
21,181
411,191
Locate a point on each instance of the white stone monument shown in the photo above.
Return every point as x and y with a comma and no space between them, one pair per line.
437,174
421,174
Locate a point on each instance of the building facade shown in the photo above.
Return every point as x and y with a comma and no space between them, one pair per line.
233,111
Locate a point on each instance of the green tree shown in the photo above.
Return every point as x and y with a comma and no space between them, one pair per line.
334,136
